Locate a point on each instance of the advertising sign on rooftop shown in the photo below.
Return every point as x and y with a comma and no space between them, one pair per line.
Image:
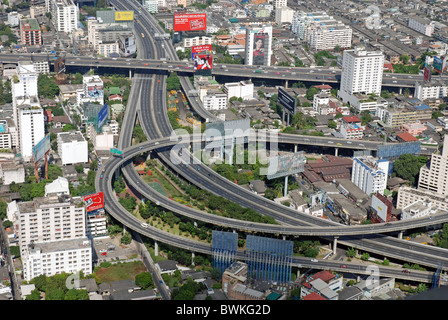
190,22
124,15
102,115
281,166
94,201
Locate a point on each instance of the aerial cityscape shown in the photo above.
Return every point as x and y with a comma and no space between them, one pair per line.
223,150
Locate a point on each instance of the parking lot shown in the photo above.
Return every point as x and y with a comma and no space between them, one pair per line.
110,249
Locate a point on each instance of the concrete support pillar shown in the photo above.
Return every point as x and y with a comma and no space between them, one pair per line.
192,258
295,147
285,193
401,90
130,74
335,244
156,249
286,84
283,237
124,229
400,235
336,150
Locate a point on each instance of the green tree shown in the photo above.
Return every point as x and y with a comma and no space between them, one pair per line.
351,252
3,208
46,87
144,280
407,166
54,171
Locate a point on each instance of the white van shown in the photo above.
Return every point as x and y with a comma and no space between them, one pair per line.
145,225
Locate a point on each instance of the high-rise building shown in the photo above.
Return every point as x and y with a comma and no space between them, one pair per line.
47,219
30,32
362,74
31,129
370,174
259,45
65,15
72,147
434,177
321,31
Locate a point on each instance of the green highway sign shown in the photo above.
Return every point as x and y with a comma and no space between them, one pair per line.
116,151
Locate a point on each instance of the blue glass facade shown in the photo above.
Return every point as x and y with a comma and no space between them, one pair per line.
269,259
224,247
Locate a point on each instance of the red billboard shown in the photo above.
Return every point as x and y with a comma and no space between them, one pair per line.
199,49
203,62
94,201
190,22
427,74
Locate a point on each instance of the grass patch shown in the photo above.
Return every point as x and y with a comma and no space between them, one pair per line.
121,271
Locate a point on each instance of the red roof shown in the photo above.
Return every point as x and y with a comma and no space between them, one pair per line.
313,296
406,137
324,275
115,97
349,119
323,87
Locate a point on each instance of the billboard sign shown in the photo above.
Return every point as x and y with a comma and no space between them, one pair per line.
41,148
259,49
287,101
102,115
124,15
203,62
427,74
437,64
190,22
200,49
59,65
95,91
94,201
281,166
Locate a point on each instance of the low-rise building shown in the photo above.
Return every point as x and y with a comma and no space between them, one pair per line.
72,147
12,171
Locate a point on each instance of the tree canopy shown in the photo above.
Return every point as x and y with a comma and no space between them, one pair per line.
407,166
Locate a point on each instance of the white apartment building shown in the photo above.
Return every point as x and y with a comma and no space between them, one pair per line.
280,3
430,90
196,41
64,14
434,177
422,25
13,19
215,100
107,48
283,15
72,147
93,90
259,45
12,172
408,195
55,257
418,209
241,89
51,218
31,129
362,73
152,6
5,134
327,37
41,66
103,140
370,174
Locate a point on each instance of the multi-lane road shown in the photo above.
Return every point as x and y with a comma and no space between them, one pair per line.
152,114
318,75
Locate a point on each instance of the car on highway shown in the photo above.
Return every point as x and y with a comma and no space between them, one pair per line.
314,260
187,67
145,225
101,176
343,266
406,271
339,144
145,64
277,73
143,35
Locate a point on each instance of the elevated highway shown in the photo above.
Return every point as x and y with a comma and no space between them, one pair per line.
155,126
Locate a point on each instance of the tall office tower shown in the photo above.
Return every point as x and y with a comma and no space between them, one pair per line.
370,174
27,113
65,15
259,45
362,73
31,129
434,177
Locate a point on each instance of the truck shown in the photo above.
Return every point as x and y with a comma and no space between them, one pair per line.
258,71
